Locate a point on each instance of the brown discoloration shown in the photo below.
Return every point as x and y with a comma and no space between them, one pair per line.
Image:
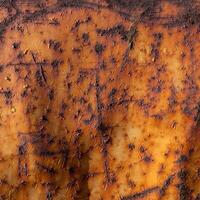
105,96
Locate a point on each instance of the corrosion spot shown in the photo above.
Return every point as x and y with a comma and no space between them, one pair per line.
99,48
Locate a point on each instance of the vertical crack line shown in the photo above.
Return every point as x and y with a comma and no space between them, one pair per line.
22,159
102,129
40,67
131,35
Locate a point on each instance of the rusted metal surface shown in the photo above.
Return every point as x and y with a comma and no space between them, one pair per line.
99,100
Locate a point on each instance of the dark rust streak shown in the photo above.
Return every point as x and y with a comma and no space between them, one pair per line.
117,29
79,22
45,168
22,163
41,68
131,38
97,86
19,167
184,191
182,159
39,13
101,127
46,153
155,47
142,194
166,184
23,63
